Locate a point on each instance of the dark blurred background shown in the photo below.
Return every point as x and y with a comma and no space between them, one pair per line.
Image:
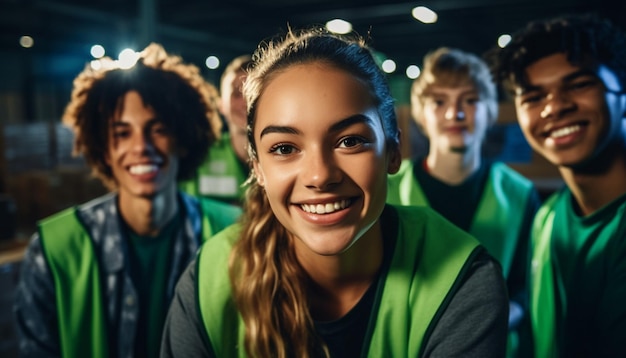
44,44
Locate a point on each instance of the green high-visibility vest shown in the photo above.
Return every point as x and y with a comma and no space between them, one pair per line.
69,251
542,306
498,219
220,176
428,263
70,255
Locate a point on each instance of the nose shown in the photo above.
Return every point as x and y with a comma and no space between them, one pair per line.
557,104
141,143
455,113
320,171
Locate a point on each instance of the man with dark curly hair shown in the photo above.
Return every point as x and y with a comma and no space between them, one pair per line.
567,77
97,278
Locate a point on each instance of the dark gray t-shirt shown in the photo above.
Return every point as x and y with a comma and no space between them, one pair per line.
471,326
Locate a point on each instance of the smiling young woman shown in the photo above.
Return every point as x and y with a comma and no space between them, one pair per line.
321,265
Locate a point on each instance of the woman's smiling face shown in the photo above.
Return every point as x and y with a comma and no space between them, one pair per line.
322,156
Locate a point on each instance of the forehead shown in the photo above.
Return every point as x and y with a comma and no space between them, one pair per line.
313,91
443,90
551,68
557,68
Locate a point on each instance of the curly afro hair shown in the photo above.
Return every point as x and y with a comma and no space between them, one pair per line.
176,91
585,38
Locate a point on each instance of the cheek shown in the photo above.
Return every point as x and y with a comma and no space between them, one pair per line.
430,122
258,173
480,119
523,118
369,174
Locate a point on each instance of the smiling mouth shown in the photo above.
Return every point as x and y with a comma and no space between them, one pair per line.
325,208
562,132
143,169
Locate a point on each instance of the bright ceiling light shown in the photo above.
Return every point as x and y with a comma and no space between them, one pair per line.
413,72
504,40
97,51
26,41
127,58
339,26
96,65
389,66
212,62
424,14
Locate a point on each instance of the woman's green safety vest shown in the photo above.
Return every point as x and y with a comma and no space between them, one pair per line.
428,263
498,219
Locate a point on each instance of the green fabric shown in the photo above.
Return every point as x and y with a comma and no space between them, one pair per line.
220,176
542,308
417,285
69,252
149,259
224,326
434,267
577,297
217,216
498,218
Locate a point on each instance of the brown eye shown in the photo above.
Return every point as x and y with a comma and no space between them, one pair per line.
349,142
282,149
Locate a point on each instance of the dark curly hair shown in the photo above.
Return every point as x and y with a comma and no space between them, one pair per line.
176,91
585,38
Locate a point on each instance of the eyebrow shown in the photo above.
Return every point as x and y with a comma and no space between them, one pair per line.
119,121
344,123
570,77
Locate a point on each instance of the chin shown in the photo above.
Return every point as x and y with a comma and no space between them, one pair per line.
462,149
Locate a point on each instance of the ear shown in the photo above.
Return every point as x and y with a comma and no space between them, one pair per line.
258,173
220,105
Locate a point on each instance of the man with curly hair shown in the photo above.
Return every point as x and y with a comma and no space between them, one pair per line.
97,278
567,77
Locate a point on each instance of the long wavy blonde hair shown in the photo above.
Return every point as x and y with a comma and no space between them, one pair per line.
269,285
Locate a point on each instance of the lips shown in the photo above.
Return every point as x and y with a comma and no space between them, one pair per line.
326,208
564,131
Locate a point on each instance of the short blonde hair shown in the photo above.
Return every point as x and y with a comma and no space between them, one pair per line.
452,67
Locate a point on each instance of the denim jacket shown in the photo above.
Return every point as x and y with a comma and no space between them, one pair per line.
35,306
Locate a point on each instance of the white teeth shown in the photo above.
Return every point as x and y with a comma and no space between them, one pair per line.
325,208
143,169
561,132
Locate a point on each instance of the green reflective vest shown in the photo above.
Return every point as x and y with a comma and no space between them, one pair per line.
220,176
69,252
498,219
429,261
542,307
